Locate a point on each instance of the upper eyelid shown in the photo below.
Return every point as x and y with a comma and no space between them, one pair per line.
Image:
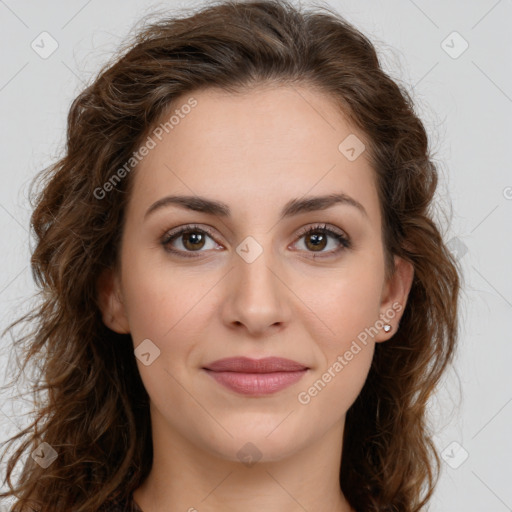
322,226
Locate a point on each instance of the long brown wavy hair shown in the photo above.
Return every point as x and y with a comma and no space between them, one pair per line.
90,403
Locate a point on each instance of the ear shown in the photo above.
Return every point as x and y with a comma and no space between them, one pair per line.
111,302
394,298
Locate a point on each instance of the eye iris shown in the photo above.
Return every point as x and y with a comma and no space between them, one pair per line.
193,238
317,237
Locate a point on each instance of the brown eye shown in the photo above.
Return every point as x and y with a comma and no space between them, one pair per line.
187,240
316,239
193,240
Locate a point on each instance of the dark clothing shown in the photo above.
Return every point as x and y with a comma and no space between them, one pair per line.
134,506
128,506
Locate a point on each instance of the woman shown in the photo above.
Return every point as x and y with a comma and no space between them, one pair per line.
245,301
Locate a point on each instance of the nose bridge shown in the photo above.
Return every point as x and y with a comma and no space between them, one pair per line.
257,293
254,262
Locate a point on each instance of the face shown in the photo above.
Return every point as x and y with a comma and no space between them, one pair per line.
246,278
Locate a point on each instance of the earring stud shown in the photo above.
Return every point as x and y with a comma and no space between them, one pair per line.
387,327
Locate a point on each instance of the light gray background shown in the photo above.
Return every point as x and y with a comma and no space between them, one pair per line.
465,103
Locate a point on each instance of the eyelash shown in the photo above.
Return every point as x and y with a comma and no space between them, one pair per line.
344,242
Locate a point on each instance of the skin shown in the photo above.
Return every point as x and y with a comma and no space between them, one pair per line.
254,151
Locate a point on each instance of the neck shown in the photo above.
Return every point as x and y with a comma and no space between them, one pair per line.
184,477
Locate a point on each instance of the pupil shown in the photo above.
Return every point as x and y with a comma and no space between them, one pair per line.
317,240
193,239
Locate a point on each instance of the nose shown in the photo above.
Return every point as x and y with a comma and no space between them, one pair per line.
257,297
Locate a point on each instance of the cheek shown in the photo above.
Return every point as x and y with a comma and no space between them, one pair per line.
172,308
344,303
348,304
168,308
161,300
330,393
350,308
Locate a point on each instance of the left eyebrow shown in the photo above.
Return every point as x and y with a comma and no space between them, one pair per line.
291,208
311,204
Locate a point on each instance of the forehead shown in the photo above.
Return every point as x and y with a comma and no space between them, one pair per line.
255,149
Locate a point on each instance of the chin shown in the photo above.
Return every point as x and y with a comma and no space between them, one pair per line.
254,444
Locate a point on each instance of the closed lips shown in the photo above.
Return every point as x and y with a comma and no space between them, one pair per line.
256,377
248,365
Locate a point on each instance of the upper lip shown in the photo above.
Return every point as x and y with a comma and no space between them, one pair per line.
248,365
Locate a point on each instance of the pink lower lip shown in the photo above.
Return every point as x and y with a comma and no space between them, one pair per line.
257,383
